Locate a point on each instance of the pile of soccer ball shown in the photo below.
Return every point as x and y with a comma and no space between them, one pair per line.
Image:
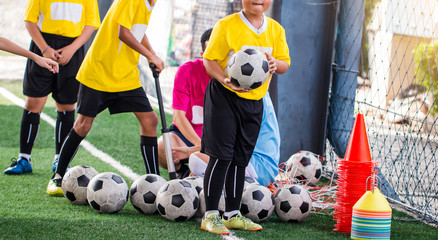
105,192
180,199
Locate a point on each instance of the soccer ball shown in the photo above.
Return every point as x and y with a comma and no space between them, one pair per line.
144,191
257,203
305,166
248,68
249,181
292,203
107,192
202,207
196,182
177,200
75,182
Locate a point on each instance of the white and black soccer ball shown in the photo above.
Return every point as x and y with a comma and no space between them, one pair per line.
202,207
257,203
292,203
250,181
143,192
196,182
248,68
177,200
107,192
304,166
75,182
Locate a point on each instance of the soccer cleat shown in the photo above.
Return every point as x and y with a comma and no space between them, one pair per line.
273,188
22,165
214,224
241,222
54,187
55,164
183,172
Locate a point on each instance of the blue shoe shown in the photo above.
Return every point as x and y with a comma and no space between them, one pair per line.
55,164
19,167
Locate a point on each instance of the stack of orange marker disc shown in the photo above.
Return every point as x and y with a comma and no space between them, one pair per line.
353,172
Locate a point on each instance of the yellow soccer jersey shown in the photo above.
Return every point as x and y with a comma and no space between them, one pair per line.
234,33
63,17
110,65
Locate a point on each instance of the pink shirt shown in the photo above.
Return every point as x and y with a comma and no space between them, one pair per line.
191,80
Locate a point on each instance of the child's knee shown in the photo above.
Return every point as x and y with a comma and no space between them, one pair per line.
197,165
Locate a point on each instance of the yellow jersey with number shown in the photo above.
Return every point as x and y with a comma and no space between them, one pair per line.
63,17
234,33
110,65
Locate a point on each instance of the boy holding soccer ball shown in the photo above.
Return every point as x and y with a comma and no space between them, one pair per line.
109,78
233,115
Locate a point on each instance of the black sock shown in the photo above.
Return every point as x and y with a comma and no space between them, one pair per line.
64,123
68,151
30,124
234,183
149,151
214,179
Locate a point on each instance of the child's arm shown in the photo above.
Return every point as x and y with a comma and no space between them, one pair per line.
38,39
126,37
276,66
11,47
215,71
68,51
180,120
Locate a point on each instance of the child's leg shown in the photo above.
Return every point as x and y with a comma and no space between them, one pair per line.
64,123
214,179
149,151
234,183
30,124
148,140
71,144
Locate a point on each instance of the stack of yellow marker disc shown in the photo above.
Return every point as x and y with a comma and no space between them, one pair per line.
371,217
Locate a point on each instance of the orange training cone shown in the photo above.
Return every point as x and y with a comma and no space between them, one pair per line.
358,149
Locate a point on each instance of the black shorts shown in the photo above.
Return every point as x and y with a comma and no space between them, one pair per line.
231,124
91,102
40,82
174,129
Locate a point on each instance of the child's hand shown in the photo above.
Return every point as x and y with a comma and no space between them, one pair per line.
159,64
47,63
51,54
65,54
272,63
179,153
229,84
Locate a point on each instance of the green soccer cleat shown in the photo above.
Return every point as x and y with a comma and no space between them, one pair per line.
54,187
213,223
241,222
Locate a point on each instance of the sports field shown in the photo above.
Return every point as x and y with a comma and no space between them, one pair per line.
27,212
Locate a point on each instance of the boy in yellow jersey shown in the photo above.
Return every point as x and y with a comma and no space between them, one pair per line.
109,78
59,30
232,115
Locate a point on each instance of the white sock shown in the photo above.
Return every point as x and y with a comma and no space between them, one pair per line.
209,212
27,156
228,215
